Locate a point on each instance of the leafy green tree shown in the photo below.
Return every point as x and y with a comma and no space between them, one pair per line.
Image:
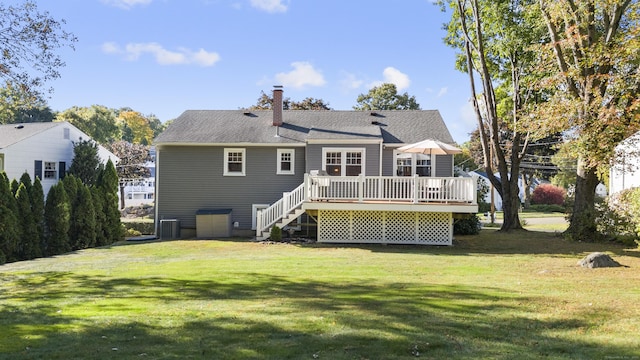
71,189
138,125
36,195
57,216
108,184
101,231
20,107
494,38
86,162
265,102
29,41
310,103
84,218
97,121
132,165
9,225
591,57
26,180
156,125
14,186
29,240
386,97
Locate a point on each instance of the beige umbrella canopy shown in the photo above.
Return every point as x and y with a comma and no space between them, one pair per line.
430,147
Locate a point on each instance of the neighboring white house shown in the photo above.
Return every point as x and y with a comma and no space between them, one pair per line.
625,169
43,150
497,199
142,191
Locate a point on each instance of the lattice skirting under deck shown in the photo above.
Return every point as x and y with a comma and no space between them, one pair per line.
385,227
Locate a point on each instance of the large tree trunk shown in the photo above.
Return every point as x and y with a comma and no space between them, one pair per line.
122,196
510,209
510,189
583,219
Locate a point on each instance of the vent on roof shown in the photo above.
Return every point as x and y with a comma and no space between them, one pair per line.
247,113
19,126
373,113
375,122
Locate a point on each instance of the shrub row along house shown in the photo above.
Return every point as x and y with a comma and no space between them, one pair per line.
240,172
77,214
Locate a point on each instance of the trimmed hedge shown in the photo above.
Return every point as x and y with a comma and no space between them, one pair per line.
136,228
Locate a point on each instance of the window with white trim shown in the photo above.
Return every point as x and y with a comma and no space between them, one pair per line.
234,162
50,171
343,162
412,164
286,162
423,166
353,166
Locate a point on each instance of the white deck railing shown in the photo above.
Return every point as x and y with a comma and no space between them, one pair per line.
280,209
392,188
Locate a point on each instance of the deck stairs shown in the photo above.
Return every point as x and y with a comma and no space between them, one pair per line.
281,213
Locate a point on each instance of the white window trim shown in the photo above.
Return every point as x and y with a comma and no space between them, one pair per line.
226,171
279,170
345,150
54,171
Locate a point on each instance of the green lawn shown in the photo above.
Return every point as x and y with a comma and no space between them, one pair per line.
499,296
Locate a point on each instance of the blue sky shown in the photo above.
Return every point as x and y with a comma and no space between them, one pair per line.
165,56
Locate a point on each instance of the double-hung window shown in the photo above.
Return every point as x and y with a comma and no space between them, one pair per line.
344,162
412,164
286,162
50,171
235,162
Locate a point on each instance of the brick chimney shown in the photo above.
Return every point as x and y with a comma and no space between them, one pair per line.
277,105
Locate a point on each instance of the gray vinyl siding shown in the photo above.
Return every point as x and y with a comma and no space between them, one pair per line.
444,166
387,162
191,178
372,156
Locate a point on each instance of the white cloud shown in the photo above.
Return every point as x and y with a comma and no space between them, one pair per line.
270,6
204,58
183,56
350,81
395,76
442,91
303,74
110,48
126,4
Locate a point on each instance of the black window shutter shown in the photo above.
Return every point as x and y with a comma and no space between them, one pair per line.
62,169
37,171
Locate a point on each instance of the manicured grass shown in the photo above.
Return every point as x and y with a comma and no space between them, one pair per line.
499,296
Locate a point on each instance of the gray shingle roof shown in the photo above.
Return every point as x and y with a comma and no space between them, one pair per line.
13,133
255,127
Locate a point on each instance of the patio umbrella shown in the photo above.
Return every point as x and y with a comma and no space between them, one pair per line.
430,147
